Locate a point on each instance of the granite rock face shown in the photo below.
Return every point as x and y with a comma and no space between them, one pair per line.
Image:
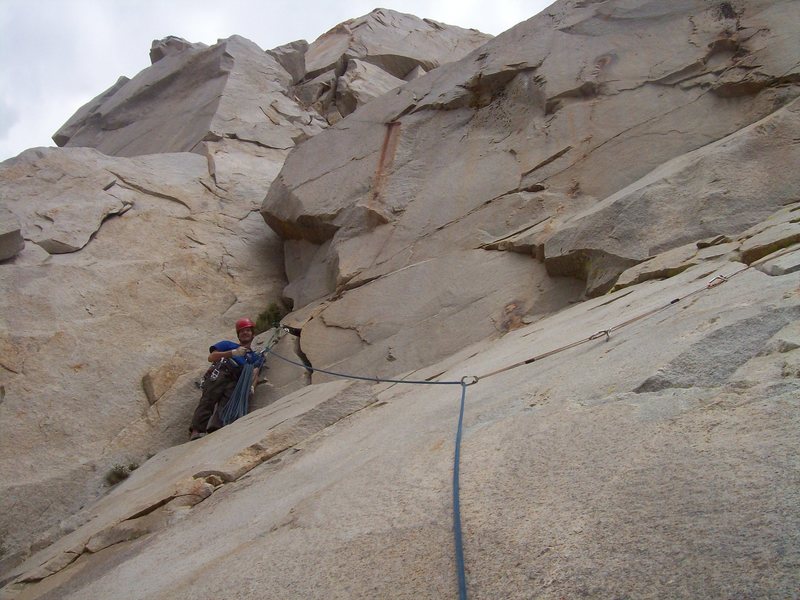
136,245
638,443
361,83
229,103
720,189
584,138
243,108
395,42
292,57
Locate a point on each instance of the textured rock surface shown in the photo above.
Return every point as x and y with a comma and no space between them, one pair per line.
719,189
781,230
783,265
170,46
684,438
292,57
423,236
229,102
100,346
563,139
230,90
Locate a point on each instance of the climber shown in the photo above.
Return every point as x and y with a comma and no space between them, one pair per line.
227,360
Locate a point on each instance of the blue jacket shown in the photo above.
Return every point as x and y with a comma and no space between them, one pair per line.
254,358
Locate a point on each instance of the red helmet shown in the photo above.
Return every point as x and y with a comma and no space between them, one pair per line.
244,324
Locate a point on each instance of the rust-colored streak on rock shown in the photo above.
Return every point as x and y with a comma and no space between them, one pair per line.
388,151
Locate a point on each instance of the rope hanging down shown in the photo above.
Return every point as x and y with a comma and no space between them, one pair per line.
237,406
464,382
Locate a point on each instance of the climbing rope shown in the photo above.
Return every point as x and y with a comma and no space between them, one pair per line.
360,377
464,382
238,403
459,547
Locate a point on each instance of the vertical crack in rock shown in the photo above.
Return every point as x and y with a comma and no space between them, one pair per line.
298,350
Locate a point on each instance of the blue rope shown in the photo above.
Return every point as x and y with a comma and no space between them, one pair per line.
462,577
459,547
237,404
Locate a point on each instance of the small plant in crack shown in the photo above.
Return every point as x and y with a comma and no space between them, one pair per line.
271,317
120,472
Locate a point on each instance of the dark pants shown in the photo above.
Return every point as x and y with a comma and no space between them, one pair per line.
215,396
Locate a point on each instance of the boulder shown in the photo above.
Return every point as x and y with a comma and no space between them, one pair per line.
395,42
230,90
363,58
170,46
319,90
292,57
361,83
11,240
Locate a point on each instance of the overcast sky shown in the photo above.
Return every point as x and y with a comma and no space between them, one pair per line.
56,55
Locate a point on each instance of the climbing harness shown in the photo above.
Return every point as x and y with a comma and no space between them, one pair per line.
223,367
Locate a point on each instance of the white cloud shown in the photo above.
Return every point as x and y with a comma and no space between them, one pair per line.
56,55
